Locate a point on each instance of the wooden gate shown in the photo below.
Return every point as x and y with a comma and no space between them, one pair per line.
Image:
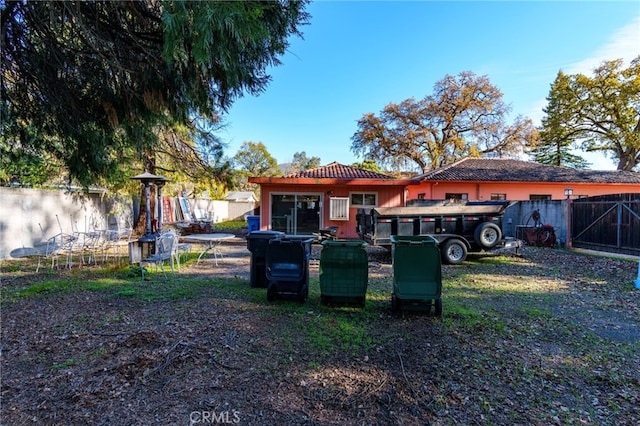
608,223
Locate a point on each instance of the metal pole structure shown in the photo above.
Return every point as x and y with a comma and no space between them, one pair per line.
159,184
147,208
159,190
568,192
147,178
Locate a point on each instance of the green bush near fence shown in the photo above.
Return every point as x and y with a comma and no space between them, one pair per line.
231,225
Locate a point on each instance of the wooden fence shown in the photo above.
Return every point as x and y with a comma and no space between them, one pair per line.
608,222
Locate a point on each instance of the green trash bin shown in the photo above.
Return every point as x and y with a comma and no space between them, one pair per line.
417,273
344,272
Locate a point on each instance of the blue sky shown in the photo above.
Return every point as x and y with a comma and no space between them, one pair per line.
358,56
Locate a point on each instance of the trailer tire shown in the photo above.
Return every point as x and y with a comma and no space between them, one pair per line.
454,252
488,235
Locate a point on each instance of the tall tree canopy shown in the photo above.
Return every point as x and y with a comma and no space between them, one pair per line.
253,159
301,163
464,117
600,113
92,83
370,165
556,141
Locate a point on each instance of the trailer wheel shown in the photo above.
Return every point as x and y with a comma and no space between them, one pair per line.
487,235
454,252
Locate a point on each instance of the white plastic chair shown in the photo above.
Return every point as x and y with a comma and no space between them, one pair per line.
179,249
165,250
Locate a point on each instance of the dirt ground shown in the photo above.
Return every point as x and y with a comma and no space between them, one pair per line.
556,342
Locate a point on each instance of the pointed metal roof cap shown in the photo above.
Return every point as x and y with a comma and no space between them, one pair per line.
147,176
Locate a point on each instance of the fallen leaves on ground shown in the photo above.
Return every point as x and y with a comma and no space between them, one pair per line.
544,337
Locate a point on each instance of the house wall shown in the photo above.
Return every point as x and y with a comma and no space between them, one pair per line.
514,190
388,196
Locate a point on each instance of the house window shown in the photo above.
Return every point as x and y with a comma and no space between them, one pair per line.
422,196
338,208
534,197
498,197
451,196
364,199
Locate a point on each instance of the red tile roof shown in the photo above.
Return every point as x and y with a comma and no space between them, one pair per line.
508,170
338,171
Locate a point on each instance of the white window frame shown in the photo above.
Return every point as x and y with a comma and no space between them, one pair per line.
339,208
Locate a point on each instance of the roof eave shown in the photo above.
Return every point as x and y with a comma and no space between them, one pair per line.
330,181
528,182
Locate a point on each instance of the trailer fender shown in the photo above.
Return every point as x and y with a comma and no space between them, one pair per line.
487,235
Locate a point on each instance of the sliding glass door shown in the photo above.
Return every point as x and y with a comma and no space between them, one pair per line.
295,213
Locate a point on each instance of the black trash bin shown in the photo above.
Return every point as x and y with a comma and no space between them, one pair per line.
257,242
287,268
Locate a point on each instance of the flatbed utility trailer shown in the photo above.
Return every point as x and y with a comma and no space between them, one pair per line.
459,227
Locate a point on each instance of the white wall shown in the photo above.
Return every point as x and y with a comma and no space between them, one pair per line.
23,211
29,216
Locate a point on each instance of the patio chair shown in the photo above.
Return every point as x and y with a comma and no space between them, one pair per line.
115,241
56,246
87,244
179,249
60,245
166,245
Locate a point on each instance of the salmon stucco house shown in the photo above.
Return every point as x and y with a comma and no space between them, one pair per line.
325,197
516,180
330,196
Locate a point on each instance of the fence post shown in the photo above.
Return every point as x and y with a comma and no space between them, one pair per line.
568,224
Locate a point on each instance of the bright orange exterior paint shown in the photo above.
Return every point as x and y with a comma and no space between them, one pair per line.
396,192
388,196
515,191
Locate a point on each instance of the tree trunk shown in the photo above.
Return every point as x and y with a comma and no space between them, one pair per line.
626,162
